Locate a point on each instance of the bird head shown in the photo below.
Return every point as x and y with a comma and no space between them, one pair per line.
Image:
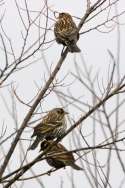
60,112
44,144
63,15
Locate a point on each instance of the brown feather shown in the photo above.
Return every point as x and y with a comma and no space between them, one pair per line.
58,156
53,125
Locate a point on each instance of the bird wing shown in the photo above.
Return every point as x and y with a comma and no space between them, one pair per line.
43,128
58,152
49,118
47,128
56,124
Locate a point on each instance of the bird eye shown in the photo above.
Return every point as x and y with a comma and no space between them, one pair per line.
43,145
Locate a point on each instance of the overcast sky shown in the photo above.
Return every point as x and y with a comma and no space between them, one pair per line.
94,46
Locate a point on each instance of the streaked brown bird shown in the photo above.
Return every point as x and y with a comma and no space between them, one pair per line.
66,32
53,125
59,155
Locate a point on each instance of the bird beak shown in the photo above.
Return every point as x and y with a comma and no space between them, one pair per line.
55,15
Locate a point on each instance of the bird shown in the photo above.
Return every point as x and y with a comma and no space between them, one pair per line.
58,156
66,32
53,125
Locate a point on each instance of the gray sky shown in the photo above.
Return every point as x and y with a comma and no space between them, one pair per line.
94,46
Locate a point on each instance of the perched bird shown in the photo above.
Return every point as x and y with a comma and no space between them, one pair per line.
58,155
66,32
53,125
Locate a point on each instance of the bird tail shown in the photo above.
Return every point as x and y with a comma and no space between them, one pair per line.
76,167
35,144
74,48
